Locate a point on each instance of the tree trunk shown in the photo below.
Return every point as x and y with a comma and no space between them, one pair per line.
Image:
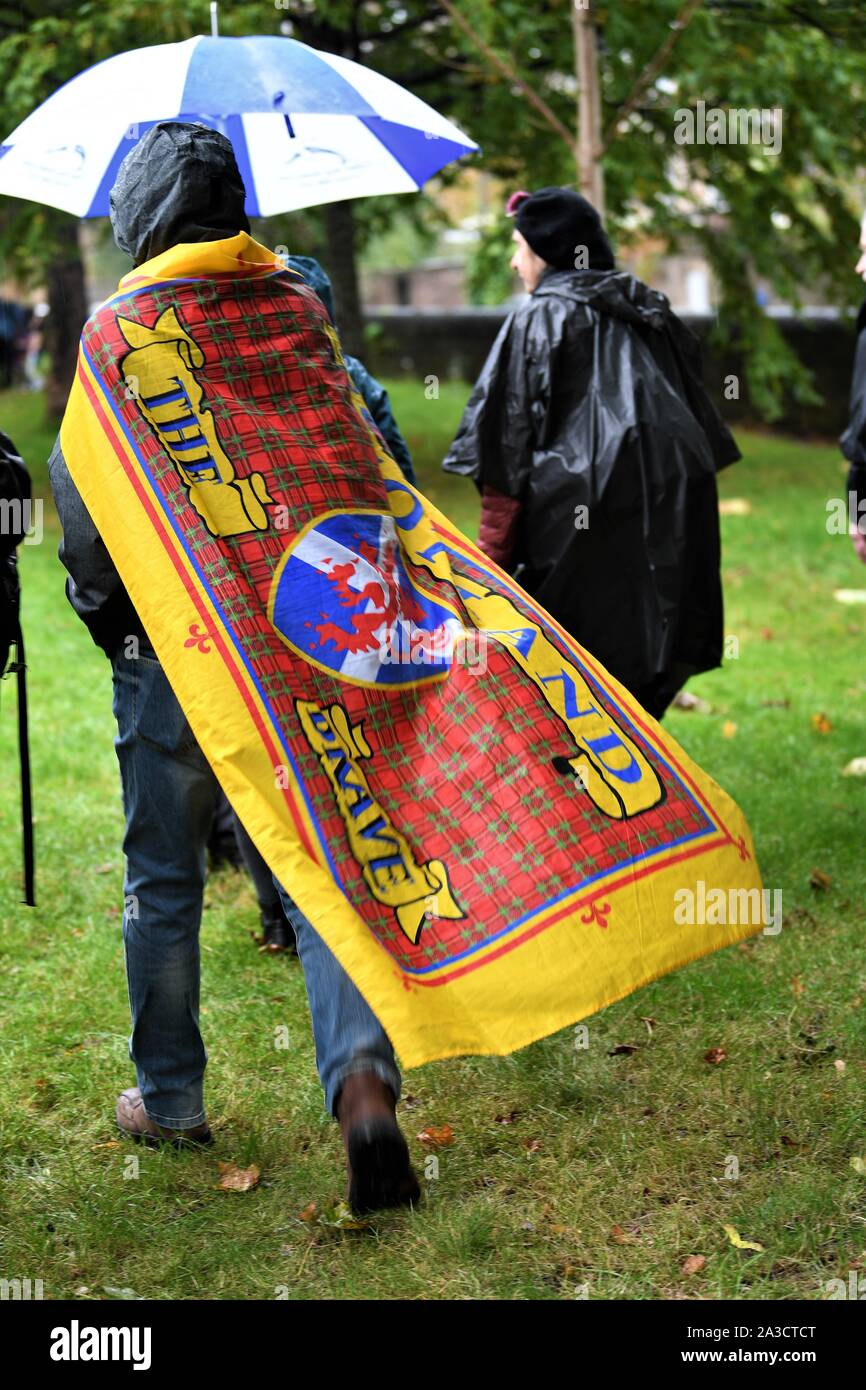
67,303
588,151
341,36
342,268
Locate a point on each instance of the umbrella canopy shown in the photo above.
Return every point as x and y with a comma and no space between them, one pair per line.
307,127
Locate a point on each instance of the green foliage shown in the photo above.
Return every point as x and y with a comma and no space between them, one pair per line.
490,279
54,43
790,218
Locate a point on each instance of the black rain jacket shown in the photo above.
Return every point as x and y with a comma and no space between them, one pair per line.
591,411
853,441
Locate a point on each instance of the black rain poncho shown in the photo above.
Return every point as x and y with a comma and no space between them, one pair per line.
592,398
853,441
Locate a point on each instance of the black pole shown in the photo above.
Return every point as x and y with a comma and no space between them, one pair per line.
24,754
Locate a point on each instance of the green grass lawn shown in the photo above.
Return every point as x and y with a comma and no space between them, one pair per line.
632,1168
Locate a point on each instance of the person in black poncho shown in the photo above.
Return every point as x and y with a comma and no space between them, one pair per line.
595,448
853,441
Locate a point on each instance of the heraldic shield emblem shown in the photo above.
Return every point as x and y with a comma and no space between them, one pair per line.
343,599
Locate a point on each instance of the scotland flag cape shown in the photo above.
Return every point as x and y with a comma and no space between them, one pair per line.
490,834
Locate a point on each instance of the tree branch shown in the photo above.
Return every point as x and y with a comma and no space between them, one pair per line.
382,36
511,75
651,71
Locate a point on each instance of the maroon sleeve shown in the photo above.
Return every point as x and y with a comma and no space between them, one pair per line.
499,515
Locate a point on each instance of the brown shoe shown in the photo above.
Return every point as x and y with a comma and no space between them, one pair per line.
380,1171
134,1121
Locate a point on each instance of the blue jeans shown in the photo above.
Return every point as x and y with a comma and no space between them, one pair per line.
169,793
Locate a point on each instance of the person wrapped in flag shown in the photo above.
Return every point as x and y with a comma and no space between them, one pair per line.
479,835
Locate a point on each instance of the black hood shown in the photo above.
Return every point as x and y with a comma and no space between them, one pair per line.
612,292
179,183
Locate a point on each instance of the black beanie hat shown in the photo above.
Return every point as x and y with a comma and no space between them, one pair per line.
557,222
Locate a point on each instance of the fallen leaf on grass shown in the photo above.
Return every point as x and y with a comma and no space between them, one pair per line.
620,1236
111,1144
507,1118
839,1064
737,1240
735,506
693,1264
859,1165
729,729
235,1179
437,1136
775,704
532,1145
623,1050
821,723
339,1216
856,768
797,985
715,1055
767,634
819,880
309,1213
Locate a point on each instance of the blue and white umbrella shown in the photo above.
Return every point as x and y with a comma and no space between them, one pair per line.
307,127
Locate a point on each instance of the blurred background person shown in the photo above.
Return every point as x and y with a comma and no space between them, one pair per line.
595,448
853,441
34,347
14,321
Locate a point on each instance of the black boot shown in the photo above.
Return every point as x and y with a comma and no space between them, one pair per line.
277,933
379,1168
